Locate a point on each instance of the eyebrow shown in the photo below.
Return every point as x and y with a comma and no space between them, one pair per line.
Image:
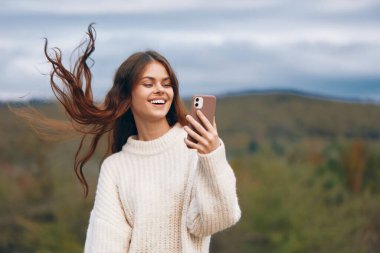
152,78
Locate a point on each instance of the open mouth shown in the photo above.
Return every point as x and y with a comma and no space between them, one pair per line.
158,101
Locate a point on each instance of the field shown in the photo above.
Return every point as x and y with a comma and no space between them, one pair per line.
308,177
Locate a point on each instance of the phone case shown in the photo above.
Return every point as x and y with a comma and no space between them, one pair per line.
205,103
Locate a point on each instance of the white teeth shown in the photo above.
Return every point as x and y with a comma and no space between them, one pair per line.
158,101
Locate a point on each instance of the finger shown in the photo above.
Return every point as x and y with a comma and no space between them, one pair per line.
197,126
214,123
205,120
195,135
193,145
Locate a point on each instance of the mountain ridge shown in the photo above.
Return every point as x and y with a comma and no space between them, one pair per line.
239,93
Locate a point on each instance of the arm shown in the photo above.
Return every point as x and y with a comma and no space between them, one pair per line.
214,204
108,229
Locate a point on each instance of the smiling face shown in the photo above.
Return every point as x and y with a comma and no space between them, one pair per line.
152,95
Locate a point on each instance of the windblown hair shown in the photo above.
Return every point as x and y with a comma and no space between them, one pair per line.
113,116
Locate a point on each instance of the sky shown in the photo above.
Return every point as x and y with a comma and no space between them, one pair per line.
328,47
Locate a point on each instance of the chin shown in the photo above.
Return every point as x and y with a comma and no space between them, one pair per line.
158,117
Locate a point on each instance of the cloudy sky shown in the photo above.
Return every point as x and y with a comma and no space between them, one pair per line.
329,47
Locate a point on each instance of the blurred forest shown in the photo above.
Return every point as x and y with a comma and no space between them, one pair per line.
308,177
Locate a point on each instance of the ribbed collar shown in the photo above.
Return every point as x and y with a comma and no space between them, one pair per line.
155,146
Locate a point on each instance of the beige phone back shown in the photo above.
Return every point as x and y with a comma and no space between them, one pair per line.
205,103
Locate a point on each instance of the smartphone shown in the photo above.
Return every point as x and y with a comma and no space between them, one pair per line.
205,103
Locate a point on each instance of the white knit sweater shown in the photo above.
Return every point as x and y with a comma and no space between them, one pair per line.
160,196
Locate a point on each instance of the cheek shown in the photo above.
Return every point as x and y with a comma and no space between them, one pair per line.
138,96
171,94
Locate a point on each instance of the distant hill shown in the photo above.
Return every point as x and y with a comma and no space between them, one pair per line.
264,117
296,92
259,116
244,92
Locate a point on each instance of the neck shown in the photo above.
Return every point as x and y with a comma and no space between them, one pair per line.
150,130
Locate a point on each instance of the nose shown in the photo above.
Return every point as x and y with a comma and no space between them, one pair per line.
159,88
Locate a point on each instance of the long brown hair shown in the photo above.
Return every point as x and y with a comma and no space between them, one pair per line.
113,116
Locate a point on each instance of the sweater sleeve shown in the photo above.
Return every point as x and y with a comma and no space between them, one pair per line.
108,229
214,203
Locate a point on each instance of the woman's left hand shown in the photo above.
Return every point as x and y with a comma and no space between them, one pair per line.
207,137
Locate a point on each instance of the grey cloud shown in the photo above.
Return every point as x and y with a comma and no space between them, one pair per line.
278,44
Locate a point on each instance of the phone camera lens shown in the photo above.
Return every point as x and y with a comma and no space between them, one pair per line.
197,99
196,104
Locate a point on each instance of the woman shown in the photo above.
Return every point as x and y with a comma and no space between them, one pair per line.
157,191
